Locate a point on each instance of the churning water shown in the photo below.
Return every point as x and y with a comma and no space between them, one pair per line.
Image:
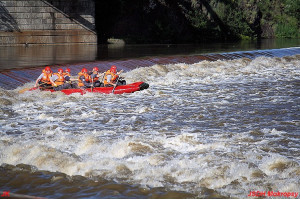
206,130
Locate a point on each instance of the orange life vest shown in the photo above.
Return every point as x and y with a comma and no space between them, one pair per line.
60,80
113,77
86,76
46,77
66,74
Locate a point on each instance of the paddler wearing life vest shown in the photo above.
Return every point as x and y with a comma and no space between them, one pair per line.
67,75
44,79
84,79
111,77
95,75
58,80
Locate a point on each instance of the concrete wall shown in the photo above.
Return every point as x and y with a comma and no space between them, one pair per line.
47,22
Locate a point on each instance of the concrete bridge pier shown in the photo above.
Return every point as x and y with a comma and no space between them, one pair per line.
47,22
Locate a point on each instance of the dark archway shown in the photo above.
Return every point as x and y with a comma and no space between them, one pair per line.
106,15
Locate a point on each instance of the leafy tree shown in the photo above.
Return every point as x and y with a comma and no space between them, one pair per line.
176,21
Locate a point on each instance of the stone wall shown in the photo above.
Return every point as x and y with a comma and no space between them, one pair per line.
47,22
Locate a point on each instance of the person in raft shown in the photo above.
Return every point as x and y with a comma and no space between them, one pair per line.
44,79
111,77
95,77
67,75
58,81
84,79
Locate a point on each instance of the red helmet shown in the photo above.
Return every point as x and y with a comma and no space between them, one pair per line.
48,69
68,70
96,69
113,69
84,70
60,70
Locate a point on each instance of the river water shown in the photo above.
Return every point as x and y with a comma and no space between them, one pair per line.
213,129
18,57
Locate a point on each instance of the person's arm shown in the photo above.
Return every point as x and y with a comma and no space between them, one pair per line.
94,76
71,78
53,78
109,80
114,78
120,72
38,79
67,78
82,78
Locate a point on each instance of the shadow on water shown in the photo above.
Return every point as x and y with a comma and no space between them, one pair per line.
121,51
47,184
19,57
36,56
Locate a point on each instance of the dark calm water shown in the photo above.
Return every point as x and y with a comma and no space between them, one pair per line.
213,129
32,56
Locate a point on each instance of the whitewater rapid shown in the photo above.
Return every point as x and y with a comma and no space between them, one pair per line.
224,127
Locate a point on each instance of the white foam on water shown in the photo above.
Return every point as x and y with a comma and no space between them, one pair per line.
229,126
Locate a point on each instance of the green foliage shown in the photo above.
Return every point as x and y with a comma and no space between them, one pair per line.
168,21
235,19
292,8
198,20
282,16
287,28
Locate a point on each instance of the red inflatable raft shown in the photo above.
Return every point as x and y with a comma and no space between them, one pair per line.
130,88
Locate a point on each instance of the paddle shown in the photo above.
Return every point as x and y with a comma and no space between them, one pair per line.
117,81
102,81
92,85
26,89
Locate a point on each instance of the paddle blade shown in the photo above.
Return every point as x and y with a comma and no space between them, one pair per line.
26,89
23,90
